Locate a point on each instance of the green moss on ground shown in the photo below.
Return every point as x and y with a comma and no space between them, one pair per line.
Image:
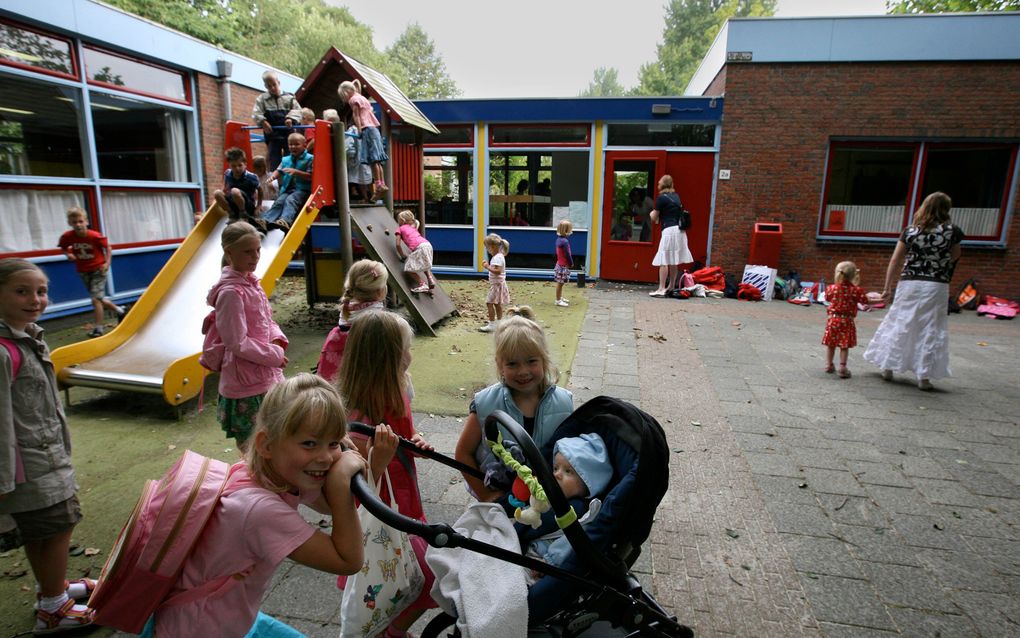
122,439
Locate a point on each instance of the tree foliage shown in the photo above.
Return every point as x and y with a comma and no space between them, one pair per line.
290,35
950,6
605,83
416,62
691,26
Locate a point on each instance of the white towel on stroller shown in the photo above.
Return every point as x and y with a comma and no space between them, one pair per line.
488,596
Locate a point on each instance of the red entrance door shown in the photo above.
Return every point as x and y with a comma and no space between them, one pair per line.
629,238
692,177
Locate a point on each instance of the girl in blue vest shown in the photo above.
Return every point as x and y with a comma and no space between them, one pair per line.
526,390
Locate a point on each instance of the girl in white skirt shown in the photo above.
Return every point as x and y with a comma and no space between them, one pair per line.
499,293
673,249
420,258
914,336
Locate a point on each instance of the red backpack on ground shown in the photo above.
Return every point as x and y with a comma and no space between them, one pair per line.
712,277
157,539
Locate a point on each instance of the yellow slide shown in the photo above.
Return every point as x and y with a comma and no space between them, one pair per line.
155,349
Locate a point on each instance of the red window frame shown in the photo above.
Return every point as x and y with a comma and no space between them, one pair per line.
907,206
196,203
586,143
28,67
126,89
90,210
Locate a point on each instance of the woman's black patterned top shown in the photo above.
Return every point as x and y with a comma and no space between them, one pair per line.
929,254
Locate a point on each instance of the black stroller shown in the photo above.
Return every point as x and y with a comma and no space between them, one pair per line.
595,588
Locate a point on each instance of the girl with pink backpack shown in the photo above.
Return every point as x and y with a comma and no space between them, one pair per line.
295,456
37,484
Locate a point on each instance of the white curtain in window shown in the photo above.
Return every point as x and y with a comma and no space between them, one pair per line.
35,219
141,216
175,145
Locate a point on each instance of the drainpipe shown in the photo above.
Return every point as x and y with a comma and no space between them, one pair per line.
223,71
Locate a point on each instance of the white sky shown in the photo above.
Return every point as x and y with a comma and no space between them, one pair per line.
545,48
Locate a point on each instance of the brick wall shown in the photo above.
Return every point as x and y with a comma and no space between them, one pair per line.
777,125
210,117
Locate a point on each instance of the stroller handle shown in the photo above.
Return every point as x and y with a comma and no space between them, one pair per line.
579,540
369,431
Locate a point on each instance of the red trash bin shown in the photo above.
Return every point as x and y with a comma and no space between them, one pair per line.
765,242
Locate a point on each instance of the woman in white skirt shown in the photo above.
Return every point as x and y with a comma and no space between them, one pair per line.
673,249
914,335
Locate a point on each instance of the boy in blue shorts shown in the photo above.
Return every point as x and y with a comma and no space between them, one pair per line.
90,252
295,175
241,196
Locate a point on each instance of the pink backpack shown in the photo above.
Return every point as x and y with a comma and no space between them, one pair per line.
157,539
15,353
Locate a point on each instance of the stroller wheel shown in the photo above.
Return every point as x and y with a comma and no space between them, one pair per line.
437,625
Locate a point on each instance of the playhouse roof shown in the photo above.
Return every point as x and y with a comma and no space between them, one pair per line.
318,91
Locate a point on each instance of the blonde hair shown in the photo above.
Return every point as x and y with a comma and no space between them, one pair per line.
934,210
269,73
408,218
364,281
12,266
307,112
847,271
235,232
331,115
371,375
518,336
76,211
301,400
296,135
259,160
348,87
492,239
666,184
564,228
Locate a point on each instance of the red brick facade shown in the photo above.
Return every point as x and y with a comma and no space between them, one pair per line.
210,118
778,122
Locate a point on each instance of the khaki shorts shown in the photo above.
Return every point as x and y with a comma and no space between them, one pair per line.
95,282
41,524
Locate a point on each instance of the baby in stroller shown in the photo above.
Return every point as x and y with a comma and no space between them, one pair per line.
620,455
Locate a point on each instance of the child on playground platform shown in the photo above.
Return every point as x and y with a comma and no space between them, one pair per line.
37,483
255,347
373,152
276,112
499,292
364,290
564,259
419,259
241,196
308,119
295,175
296,457
374,380
840,329
268,187
526,390
90,252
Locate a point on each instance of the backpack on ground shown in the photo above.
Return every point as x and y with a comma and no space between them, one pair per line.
967,298
212,345
150,552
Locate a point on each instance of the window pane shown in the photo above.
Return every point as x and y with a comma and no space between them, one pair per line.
35,219
133,75
22,46
867,189
40,130
143,216
450,135
449,188
975,180
537,189
660,134
577,134
632,200
139,140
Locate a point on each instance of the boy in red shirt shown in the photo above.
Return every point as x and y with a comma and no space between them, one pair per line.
90,253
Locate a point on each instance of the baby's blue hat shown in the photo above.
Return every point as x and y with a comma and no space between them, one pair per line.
587,454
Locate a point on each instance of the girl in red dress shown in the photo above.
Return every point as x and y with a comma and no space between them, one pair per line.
840,330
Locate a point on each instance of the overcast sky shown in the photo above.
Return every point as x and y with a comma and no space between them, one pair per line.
545,48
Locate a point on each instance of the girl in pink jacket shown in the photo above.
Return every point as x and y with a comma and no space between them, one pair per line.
254,346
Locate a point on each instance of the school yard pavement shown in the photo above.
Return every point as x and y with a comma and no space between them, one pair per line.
799,504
